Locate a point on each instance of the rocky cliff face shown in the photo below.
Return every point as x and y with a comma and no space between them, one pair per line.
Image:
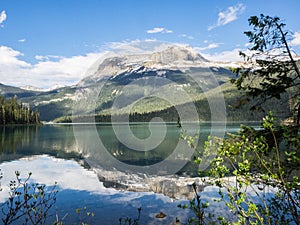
173,57
179,55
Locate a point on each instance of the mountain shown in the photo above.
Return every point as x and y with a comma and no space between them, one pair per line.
147,83
31,88
51,104
140,84
10,91
171,58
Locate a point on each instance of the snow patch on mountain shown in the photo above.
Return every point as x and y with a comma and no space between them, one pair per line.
31,88
37,89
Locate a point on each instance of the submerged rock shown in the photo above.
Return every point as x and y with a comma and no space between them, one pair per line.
160,215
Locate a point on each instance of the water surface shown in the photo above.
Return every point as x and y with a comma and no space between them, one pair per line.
53,154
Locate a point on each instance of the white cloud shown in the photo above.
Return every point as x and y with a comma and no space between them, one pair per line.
44,74
229,15
296,39
137,46
151,39
53,70
186,36
47,57
22,40
125,47
159,30
9,58
155,30
225,56
3,17
210,46
66,71
11,66
41,58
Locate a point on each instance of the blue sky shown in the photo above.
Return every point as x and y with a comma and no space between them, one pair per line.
49,42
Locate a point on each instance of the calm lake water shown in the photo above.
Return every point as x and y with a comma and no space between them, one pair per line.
94,169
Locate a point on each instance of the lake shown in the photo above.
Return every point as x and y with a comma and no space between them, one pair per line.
112,178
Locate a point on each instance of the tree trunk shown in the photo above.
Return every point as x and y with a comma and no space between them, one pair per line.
298,114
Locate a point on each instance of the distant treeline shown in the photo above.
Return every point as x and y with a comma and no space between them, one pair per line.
12,112
233,113
169,116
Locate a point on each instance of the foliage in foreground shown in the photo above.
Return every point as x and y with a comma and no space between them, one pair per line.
28,203
129,220
257,173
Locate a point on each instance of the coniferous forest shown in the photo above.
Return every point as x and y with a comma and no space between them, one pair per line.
12,112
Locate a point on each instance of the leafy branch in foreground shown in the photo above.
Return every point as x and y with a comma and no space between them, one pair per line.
257,172
84,215
198,208
27,202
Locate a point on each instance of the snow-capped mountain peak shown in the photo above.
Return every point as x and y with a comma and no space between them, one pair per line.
172,57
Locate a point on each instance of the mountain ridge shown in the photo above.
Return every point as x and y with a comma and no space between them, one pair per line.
178,64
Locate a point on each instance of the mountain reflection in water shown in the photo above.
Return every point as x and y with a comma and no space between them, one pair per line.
79,187
52,154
